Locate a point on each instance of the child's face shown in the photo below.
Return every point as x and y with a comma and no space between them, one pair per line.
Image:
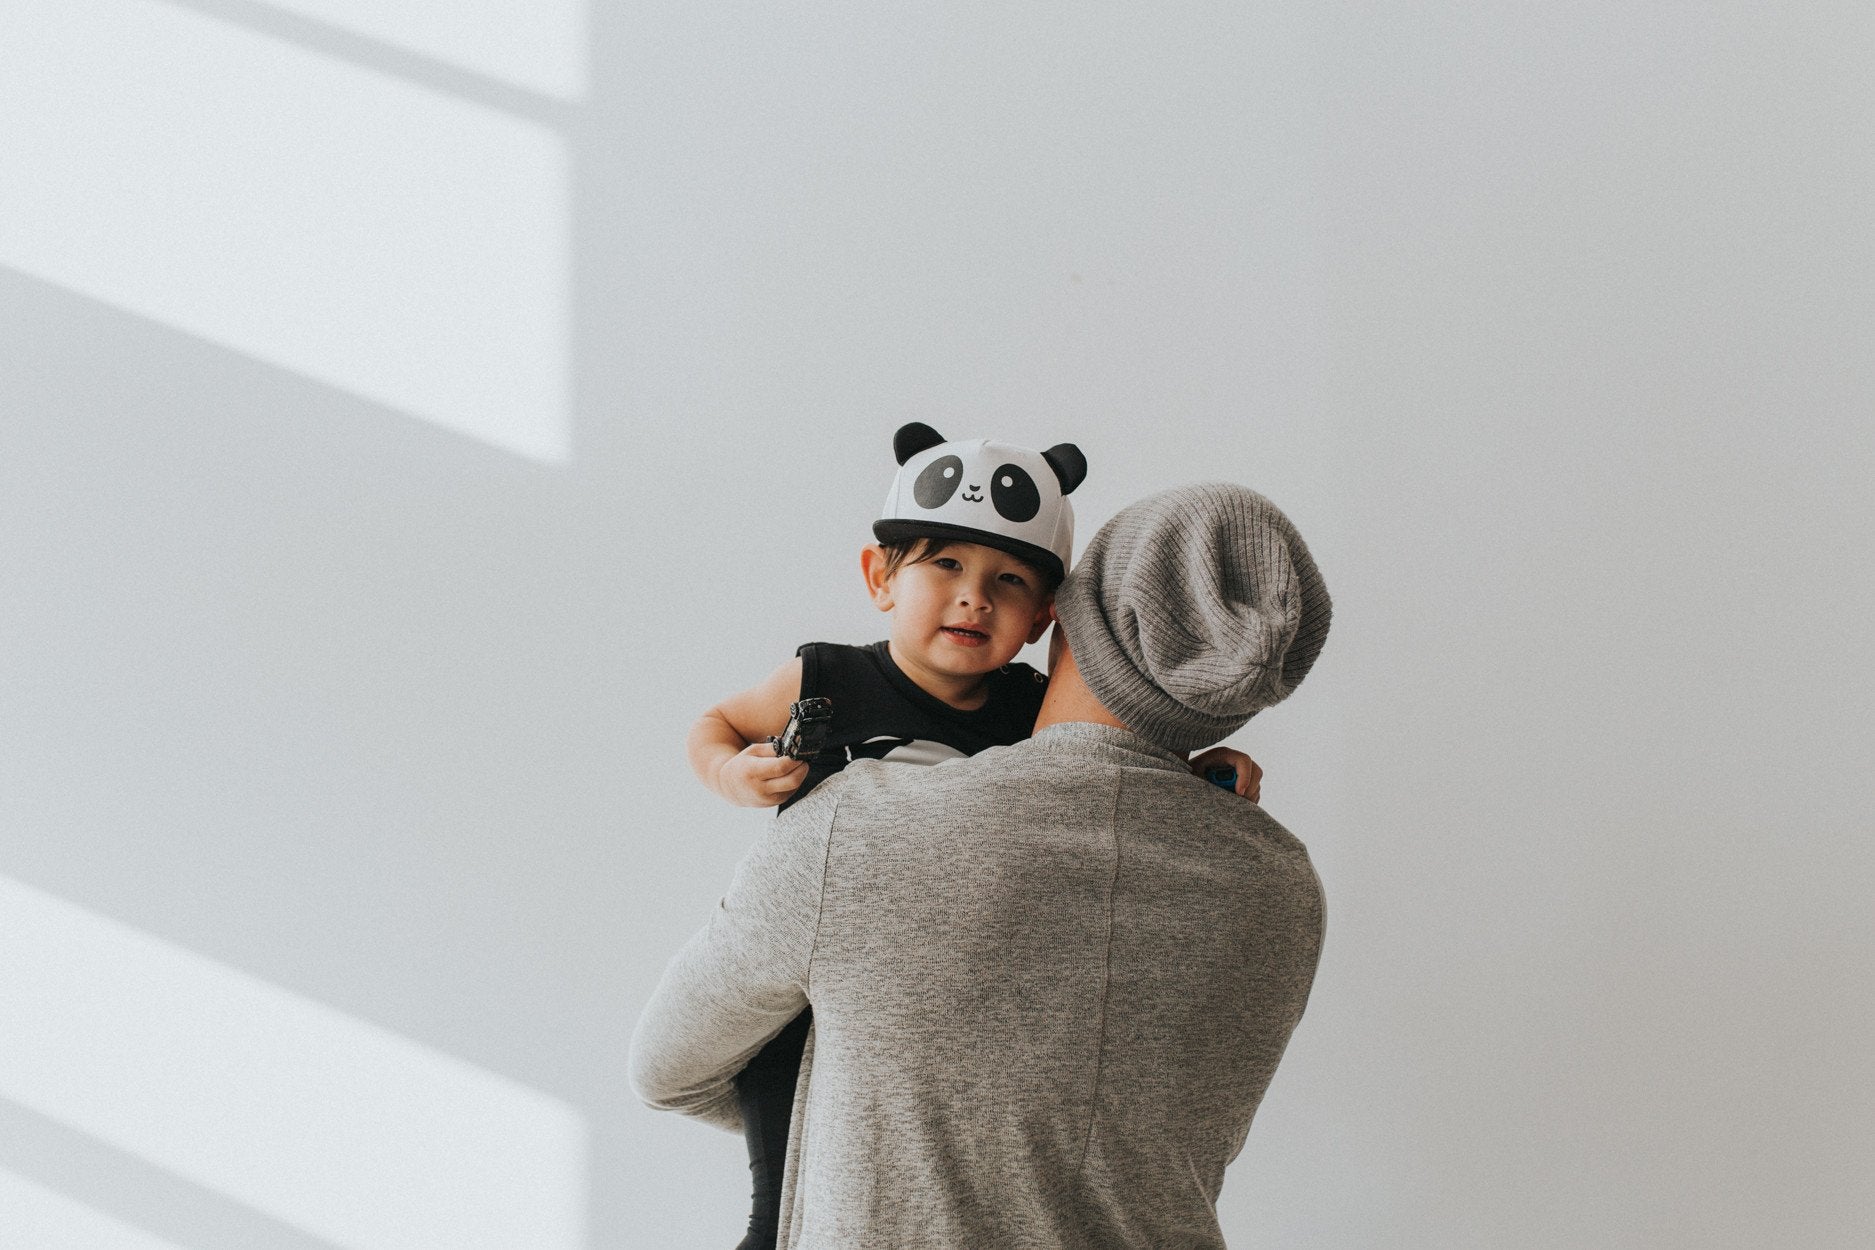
966,611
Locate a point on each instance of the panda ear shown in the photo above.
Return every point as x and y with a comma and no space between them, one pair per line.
1069,464
912,439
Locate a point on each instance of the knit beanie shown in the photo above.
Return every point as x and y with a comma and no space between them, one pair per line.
1193,610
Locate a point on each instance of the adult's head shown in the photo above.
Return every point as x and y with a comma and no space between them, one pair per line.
1193,610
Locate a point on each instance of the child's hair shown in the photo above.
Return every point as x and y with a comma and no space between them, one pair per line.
924,547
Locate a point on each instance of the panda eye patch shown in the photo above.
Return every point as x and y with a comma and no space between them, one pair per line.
1014,494
938,482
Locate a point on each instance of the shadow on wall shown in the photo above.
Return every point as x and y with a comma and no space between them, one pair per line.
280,1104
370,197
295,684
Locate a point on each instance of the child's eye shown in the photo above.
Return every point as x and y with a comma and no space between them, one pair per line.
945,562
1014,579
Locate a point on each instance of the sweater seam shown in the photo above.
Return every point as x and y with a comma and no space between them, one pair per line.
820,903
1106,984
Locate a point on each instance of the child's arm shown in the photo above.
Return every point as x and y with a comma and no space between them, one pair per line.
1249,772
728,746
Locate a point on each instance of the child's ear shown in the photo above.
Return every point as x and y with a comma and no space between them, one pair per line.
1043,619
878,581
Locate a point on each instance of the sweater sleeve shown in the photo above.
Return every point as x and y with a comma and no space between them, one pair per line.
741,978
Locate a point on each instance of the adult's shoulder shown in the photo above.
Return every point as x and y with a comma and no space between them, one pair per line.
878,794
815,808
1274,855
1254,824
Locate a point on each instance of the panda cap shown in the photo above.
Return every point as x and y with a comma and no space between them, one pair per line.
1003,496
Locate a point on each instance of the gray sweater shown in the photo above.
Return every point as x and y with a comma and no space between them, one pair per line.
1050,984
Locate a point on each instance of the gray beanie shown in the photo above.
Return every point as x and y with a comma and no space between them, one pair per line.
1193,610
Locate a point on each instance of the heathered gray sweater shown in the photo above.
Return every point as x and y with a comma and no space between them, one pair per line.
1050,984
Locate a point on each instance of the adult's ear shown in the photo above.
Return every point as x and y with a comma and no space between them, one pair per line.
1069,464
913,438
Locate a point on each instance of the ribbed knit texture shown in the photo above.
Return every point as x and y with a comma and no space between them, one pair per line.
1193,610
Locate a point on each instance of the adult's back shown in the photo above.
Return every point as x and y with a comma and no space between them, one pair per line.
1050,986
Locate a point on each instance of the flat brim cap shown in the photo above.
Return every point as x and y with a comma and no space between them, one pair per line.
978,490
1193,610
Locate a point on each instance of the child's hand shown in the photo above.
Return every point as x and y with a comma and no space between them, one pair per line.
757,777
1249,772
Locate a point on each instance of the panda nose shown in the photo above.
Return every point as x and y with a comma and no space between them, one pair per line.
976,488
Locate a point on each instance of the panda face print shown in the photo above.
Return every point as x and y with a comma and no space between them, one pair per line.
1012,490
1015,497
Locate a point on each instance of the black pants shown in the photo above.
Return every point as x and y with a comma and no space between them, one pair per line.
765,1092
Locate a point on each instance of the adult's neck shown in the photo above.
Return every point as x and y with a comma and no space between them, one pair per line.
1068,699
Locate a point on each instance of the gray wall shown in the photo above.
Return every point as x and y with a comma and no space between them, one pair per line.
409,421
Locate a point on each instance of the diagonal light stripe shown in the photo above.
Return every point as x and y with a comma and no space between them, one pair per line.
343,224
411,65
323,1121
537,44
32,1215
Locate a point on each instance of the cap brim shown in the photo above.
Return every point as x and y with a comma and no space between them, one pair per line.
892,531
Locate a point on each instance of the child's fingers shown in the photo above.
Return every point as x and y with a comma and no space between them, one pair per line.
761,760
788,781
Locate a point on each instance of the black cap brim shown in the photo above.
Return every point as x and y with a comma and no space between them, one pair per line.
892,531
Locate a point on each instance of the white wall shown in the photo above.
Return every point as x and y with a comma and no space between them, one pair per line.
407,427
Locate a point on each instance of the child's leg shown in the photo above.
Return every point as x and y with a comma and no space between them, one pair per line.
765,1091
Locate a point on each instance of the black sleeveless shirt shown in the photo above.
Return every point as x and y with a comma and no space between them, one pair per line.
880,713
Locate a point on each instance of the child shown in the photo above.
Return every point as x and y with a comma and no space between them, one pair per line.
974,538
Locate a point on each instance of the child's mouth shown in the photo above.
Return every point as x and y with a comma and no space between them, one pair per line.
968,637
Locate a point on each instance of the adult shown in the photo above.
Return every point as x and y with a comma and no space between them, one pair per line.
1050,982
